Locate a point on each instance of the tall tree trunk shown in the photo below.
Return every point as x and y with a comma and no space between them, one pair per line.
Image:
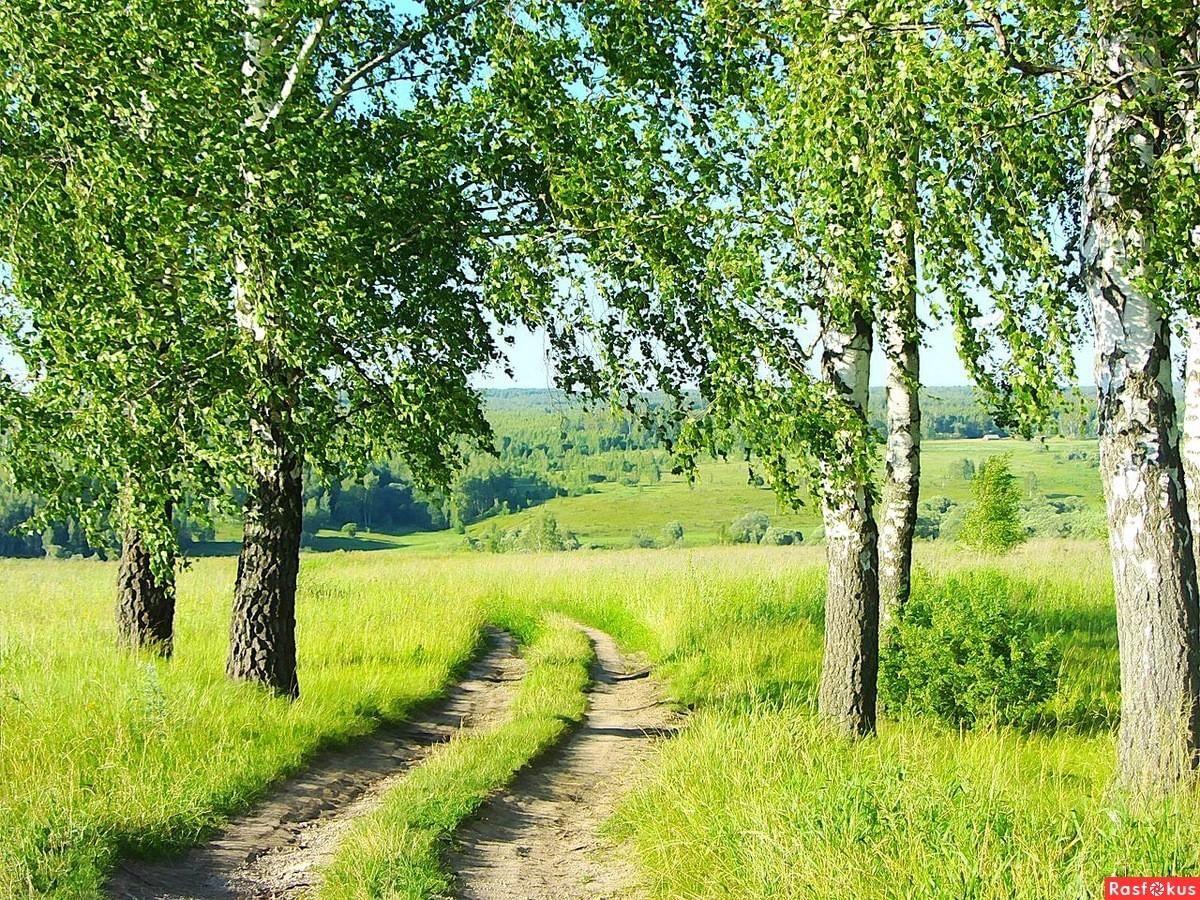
1190,447
1154,571
902,470
262,643
146,601
850,667
1191,390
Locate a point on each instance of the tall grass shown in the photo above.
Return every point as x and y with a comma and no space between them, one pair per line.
103,751
754,799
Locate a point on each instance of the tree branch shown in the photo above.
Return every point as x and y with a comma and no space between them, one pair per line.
302,56
346,87
992,19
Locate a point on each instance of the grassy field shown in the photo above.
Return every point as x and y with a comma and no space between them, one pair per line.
102,752
721,492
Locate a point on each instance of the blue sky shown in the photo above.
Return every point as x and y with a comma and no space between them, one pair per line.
940,366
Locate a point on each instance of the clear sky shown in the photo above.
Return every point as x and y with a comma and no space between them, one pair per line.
940,365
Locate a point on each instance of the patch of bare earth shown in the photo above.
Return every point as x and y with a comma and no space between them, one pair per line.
274,850
541,839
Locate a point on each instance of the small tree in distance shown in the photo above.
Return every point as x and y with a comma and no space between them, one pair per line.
993,524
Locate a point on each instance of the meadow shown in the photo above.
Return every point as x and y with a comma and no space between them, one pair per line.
721,490
102,752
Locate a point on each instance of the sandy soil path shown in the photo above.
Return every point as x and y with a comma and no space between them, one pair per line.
273,850
540,839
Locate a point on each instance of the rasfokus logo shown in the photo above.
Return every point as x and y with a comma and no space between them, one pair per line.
1152,887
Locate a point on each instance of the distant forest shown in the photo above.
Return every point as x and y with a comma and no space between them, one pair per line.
546,446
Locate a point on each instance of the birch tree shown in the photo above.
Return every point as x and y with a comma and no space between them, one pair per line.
392,203
1153,563
1127,66
105,301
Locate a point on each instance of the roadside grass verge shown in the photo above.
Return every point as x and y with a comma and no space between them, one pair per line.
394,851
103,751
770,804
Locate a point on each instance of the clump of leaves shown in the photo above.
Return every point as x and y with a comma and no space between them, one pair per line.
540,535
964,654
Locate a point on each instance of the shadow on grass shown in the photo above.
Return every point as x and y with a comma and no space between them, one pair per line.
316,545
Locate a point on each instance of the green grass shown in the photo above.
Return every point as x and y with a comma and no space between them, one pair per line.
103,751
753,799
721,492
393,852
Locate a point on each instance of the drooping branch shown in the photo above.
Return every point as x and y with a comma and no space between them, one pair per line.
1034,69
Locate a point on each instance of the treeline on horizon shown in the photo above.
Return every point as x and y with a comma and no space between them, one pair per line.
546,446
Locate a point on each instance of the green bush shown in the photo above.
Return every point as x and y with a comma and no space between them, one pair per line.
962,653
350,529
749,529
672,534
993,523
540,535
781,537
639,540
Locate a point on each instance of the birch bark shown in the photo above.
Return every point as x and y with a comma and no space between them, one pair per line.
262,640
1154,572
900,336
851,657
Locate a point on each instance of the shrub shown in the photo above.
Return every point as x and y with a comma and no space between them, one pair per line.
930,515
993,524
749,529
672,533
350,529
962,653
781,537
642,541
540,535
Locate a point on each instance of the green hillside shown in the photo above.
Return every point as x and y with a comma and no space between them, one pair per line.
722,491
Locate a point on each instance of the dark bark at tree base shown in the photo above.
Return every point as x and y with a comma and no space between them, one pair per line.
145,606
850,665
262,645
850,670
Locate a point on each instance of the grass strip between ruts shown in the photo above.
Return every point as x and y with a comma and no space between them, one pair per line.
395,851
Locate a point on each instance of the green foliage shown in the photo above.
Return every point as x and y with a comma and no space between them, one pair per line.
640,540
781,537
749,528
540,535
350,529
963,654
672,534
993,523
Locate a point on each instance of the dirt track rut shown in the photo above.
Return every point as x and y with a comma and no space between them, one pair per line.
273,850
540,839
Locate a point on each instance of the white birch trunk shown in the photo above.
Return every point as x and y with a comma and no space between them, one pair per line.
1153,568
900,336
1190,444
850,666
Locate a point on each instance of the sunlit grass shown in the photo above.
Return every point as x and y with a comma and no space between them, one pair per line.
102,750
752,800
